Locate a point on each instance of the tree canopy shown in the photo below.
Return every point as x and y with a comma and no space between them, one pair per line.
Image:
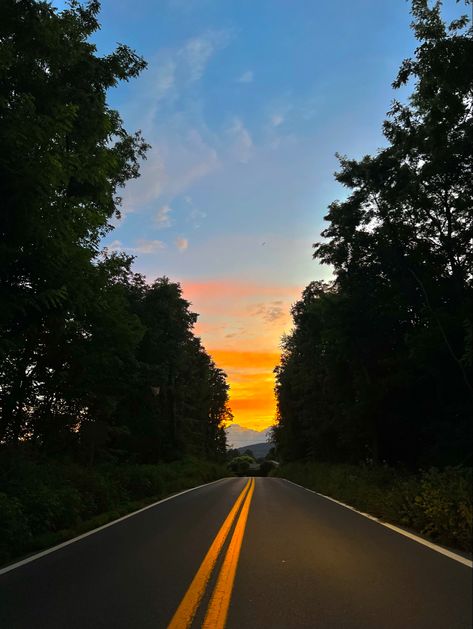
378,365
94,361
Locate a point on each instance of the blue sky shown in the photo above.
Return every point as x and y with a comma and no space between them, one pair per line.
245,103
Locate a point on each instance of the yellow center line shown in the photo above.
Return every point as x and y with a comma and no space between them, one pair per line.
187,609
217,611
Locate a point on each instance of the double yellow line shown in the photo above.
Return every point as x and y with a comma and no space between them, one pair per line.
217,610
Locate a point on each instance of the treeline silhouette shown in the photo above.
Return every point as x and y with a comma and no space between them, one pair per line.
378,365
107,398
96,364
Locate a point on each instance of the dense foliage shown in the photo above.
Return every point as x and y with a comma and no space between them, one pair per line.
378,365
95,364
44,503
436,503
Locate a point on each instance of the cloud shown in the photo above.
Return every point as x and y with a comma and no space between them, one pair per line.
162,218
148,246
143,246
196,54
180,158
174,70
116,245
246,77
182,244
166,105
242,142
196,216
163,80
197,51
274,311
277,119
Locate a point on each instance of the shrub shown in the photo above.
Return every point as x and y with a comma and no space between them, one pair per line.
14,529
436,503
44,503
139,481
240,464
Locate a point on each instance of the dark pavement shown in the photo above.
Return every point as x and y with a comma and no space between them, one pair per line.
305,562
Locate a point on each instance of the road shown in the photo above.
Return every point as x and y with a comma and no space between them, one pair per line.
262,554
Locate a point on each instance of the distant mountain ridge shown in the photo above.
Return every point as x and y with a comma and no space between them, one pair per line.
239,436
260,450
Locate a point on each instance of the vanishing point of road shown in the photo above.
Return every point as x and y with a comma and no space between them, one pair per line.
243,554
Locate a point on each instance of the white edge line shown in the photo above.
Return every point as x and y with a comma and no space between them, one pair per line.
53,549
416,538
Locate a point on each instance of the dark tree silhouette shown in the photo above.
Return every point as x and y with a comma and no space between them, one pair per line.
378,365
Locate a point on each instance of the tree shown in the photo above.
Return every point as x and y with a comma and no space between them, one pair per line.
64,156
240,465
94,361
378,363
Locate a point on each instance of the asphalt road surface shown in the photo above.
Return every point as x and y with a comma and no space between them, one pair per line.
241,554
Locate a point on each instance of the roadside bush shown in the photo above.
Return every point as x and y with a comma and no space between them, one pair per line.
139,481
266,467
14,529
43,503
442,507
241,464
436,503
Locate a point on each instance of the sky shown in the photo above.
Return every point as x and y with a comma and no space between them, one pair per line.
245,103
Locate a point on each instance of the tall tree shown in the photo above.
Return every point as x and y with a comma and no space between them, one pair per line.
64,156
401,249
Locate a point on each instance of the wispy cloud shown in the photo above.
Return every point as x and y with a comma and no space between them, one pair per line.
277,119
242,142
181,158
163,218
116,245
149,246
196,52
271,312
142,246
174,70
246,77
163,80
182,243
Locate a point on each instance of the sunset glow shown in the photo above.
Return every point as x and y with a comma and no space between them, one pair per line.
241,325
234,189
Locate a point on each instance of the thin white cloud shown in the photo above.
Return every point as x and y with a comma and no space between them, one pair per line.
149,246
277,119
196,217
171,73
162,218
197,51
182,243
246,77
164,79
116,245
180,158
242,142
143,246
196,54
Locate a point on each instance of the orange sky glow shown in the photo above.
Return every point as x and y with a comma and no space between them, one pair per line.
241,325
